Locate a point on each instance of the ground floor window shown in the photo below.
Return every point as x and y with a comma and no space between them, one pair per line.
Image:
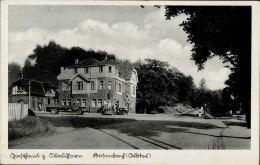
68,101
83,102
99,104
94,102
78,102
63,102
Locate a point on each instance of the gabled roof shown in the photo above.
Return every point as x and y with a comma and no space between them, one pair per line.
80,75
37,88
85,63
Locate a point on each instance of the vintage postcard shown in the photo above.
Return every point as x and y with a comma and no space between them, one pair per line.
129,82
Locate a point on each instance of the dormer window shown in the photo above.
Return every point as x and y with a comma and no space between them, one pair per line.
75,71
86,70
100,69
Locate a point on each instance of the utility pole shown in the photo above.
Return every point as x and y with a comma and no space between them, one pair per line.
29,106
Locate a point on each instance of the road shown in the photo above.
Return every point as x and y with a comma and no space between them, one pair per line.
160,131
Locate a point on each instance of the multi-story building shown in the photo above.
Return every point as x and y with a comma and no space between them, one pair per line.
34,93
94,84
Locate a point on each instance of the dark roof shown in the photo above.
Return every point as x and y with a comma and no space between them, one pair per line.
37,88
109,62
125,68
85,63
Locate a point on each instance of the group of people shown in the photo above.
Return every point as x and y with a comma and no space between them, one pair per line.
202,110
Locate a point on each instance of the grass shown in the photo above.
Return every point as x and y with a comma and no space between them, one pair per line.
29,127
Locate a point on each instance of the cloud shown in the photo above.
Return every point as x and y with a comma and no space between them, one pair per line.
156,38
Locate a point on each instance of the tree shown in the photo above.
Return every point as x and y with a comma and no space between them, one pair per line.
14,73
48,59
224,32
155,87
161,85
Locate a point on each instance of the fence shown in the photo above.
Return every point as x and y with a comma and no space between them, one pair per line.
17,111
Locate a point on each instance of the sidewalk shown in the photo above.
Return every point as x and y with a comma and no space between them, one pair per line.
237,137
237,132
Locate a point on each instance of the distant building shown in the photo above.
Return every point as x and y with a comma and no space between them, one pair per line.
38,94
93,84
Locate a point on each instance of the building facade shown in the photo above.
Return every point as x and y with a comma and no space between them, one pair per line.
94,84
34,93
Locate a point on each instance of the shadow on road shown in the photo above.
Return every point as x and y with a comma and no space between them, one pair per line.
234,123
128,126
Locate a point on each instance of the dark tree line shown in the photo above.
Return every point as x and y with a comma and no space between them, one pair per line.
159,83
223,31
45,62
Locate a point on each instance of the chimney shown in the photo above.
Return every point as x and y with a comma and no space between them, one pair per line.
61,69
76,61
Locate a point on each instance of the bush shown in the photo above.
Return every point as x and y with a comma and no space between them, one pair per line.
29,127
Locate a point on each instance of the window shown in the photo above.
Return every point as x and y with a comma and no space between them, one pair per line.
83,102
133,90
94,101
101,85
79,85
75,71
101,69
20,88
123,87
109,85
78,102
115,86
119,74
119,87
68,101
99,104
63,102
110,69
92,85
86,70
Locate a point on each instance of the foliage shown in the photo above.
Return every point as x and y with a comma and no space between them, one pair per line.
29,127
223,31
49,58
211,100
14,72
160,86
159,83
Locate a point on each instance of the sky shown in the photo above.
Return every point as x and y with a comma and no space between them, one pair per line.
129,32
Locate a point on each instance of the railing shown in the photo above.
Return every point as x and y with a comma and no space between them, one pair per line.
17,111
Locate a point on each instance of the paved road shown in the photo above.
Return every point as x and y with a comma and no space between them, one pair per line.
145,132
